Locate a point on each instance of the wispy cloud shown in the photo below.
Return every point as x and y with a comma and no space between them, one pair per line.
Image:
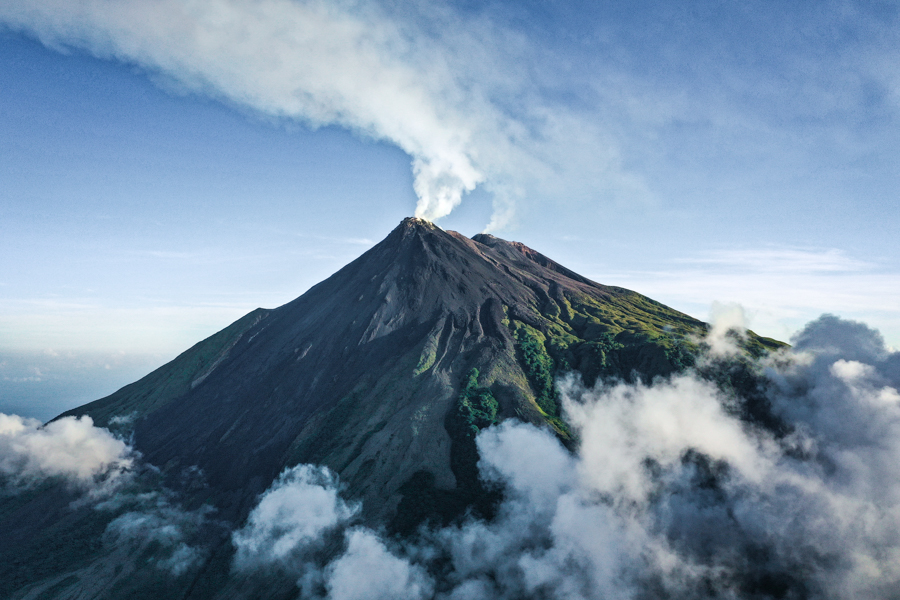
780,287
782,260
443,85
159,528
137,325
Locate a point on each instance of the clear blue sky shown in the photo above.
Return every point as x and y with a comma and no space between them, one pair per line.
166,167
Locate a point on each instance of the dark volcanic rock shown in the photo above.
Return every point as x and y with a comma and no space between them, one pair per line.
361,371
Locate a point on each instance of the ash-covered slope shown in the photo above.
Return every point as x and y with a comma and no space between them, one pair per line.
369,372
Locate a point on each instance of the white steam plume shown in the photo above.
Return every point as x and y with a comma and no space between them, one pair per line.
343,63
448,87
71,448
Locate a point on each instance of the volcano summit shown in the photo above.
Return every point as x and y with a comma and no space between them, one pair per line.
385,372
363,373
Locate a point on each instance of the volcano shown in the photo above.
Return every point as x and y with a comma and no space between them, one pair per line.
384,373
362,372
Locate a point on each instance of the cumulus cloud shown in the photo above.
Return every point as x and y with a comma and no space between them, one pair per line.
71,448
292,517
302,527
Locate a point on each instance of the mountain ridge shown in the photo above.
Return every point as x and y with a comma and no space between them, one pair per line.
279,386
385,372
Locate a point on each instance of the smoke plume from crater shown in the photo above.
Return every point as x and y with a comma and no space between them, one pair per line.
343,63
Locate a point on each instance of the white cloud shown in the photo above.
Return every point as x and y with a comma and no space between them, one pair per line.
70,448
300,507
729,326
368,571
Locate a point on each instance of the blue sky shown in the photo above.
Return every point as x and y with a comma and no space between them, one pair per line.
167,166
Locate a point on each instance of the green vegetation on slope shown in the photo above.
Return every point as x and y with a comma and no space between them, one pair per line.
539,367
428,356
476,409
619,335
477,406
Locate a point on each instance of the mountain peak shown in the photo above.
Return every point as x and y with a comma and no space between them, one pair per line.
385,373
410,224
416,221
364,372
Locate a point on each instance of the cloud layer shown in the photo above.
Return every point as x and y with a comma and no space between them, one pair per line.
674,492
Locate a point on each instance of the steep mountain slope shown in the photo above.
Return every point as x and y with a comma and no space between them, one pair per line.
385,372
360,372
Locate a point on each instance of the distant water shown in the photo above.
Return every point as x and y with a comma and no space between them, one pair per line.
41,385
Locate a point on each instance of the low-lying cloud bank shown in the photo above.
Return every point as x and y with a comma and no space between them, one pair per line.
70,448
673,492
676,490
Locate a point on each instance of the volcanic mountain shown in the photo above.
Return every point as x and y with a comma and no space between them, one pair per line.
361,372
385,372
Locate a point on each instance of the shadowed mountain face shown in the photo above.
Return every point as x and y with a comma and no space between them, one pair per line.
371,372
